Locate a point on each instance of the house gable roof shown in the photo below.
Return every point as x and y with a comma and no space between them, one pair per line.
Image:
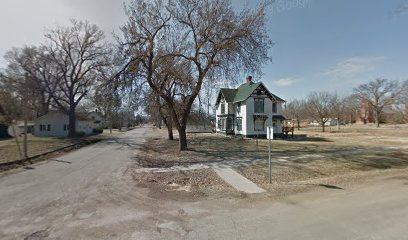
243,92
79,116
227,93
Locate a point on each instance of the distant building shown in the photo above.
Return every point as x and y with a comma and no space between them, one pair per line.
248,110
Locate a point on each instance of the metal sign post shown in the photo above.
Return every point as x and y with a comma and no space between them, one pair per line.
270,137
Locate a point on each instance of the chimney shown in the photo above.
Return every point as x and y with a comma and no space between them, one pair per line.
249,79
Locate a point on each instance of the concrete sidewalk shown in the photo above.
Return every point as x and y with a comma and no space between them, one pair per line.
238,181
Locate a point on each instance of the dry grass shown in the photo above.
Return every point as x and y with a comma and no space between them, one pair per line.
352,151
9,151
310,156
40,145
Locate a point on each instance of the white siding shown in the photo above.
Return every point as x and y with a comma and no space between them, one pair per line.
217,112
56,121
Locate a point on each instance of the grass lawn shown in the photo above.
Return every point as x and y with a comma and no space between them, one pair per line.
9,151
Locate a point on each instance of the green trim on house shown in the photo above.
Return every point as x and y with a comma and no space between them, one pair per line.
245,90
242,93
227,93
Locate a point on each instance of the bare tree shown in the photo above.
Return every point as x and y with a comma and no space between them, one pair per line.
295,110
379,94
351,108
338,108
318,106
206,39
10,103
159,112
401,104
78,53
23,69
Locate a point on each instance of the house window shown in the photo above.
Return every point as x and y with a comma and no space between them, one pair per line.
222,108
274,107
239,124
221,124
259,124
239,107
44,127
259,105
230,125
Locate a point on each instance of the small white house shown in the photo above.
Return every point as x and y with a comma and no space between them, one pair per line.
55,124
248,110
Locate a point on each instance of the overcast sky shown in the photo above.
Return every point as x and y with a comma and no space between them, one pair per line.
319,44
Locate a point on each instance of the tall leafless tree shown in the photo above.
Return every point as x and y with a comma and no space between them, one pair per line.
22,70
208,40
318,106
78,52
338,108
296,111
401,105
379,94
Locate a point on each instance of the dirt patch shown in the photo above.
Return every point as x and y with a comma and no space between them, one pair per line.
184,185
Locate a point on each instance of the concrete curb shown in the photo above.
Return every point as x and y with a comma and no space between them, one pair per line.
238,181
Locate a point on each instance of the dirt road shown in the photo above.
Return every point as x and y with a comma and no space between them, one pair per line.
89,194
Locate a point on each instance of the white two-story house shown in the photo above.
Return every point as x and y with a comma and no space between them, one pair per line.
248,110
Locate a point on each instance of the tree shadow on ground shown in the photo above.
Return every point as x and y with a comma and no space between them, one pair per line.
312,158
305,138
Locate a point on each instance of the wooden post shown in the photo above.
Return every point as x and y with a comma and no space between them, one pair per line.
16,138
25,145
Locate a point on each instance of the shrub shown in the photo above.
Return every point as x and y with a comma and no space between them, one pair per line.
3,130
97,130
80,134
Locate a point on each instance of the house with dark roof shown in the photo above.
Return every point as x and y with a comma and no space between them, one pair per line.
248,110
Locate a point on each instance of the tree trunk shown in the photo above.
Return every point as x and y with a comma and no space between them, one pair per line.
298,124
338,124
169,127
170,132
323,127
72,122
377,119
182,138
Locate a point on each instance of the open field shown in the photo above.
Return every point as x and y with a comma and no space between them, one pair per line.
311,158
